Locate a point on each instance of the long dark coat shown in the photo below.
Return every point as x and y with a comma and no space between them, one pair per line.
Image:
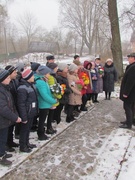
128,84
110,77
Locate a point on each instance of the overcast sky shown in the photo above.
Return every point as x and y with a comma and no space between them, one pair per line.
45,11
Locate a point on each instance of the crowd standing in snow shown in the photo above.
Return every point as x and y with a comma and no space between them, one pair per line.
30,97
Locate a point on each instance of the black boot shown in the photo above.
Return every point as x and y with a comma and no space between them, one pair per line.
4,161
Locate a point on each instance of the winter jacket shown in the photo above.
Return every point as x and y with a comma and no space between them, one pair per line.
13,89
94,77
128,84
62,80
8,113
99,88
45,97
52,81
109,78
89,87
27,100
75,98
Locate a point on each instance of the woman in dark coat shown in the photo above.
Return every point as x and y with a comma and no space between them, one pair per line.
110,77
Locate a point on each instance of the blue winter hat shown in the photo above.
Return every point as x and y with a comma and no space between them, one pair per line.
43,70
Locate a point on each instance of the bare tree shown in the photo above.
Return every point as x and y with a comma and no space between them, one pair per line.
116,41
28,26
89,19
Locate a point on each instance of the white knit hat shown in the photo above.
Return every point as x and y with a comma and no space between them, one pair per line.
73,67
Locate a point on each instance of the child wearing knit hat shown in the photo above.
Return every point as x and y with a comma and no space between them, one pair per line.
45,99
8,115
27,108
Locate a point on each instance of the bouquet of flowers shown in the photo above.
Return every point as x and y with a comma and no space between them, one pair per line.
63,86
56,88
85,78
100,70
80,84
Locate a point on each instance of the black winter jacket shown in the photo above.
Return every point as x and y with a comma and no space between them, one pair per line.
26,100
62,79
8,113
128,84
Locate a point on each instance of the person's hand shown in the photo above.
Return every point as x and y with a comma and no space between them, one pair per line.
125,96
18,120
24,122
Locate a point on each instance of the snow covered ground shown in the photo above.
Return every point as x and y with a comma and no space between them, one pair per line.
114,161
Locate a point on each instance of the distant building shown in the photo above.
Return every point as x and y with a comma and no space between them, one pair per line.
37,46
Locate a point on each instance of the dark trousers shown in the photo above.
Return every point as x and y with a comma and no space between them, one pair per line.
3,140
84,101
57,113
89,96
24,133
10,135
94,97
70,110
17,128
50,118
107,95
129,110
42,117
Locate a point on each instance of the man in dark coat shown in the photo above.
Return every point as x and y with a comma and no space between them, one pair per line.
127,92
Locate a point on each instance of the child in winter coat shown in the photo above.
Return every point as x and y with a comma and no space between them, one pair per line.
57,93
8,115
87,66
45,98
94,77
27,108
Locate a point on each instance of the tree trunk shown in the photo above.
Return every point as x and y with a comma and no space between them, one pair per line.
116,40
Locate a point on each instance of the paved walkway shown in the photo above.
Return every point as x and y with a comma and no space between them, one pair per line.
76,152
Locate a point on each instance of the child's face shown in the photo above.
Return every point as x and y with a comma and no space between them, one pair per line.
31,80
93,66
47,75
6,81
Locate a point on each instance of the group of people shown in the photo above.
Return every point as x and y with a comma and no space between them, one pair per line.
31,96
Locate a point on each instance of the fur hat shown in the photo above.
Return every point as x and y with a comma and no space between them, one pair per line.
27,74
34,66
3,74
10,68
52,65
72,67
109,60
20,66
62,66
131,55
43,70
50,57
97,58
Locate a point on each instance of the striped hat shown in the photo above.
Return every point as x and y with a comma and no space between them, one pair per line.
27,74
